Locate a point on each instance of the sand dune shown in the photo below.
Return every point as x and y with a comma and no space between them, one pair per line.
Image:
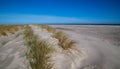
97,47
12,53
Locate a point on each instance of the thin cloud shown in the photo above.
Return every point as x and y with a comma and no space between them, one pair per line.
21,18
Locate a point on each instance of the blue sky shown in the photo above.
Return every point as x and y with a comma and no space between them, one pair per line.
59,11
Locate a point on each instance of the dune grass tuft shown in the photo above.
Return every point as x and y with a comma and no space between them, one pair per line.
18,34
49,29
38,54
65,42
4,42
4,29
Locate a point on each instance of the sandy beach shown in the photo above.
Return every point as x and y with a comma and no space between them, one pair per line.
100,47
101,42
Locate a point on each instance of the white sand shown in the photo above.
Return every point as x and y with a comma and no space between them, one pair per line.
99,43
12,54
98,47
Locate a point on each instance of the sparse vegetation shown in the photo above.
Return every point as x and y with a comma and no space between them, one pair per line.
4,42
65,42
18,34
4,29
49,29
38,54
39,51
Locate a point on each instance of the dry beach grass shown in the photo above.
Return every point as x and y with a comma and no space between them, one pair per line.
65,42
38,54
52,47
4,29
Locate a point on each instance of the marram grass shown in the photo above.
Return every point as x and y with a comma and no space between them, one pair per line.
38,54
4,42
65,42
4,29
49,29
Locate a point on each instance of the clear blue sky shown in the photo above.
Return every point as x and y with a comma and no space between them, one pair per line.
59,11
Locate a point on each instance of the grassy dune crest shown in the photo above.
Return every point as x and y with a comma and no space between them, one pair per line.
49,29
4,29
65,42
38,54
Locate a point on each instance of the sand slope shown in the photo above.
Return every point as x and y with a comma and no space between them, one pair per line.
12,53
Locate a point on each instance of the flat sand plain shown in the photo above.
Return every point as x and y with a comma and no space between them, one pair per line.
105,32
102,42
